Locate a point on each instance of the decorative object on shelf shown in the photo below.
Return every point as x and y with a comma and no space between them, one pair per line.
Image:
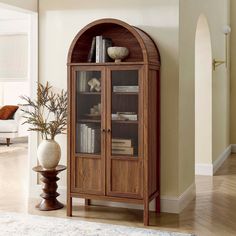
126,89
50,194
95,85
95,112
125,116
48,116
118,53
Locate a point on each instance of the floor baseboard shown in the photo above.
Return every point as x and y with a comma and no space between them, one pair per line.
204,169
210,169
233,148
168,204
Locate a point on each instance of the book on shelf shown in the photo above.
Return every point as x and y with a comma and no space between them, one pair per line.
92,51
82,85
98,49
118,142
106,43
123,150
88,138
84,138
126,89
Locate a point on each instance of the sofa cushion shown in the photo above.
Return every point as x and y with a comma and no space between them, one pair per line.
8,126
7,112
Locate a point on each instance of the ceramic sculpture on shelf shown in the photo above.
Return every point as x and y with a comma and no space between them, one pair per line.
94,85
118,53
48,116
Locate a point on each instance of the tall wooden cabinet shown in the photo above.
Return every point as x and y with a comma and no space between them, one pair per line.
114,128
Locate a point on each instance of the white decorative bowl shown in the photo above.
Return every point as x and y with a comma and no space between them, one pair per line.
118,53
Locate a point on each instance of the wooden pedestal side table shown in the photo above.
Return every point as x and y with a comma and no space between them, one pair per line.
49,195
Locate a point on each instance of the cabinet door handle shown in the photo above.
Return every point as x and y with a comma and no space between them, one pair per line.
109,131
103,130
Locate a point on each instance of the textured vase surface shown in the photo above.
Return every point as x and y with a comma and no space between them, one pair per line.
49,154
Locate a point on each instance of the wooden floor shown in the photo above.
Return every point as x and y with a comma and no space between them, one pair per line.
213,212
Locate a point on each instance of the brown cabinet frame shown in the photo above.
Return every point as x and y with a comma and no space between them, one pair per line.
144,56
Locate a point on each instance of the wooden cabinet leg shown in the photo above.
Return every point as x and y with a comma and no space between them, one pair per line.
87,202
146,213
158,204
69,206
8,142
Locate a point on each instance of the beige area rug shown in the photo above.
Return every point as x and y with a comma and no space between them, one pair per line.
19,144
30,225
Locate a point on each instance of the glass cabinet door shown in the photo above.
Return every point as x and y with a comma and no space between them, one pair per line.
88,112
124,124
88,120
124,112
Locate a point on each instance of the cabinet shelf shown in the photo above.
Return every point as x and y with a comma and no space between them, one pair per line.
125,93
88,155
125,121
125,157
88,121
105,64
89,93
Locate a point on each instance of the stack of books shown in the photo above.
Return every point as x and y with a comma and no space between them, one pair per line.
98,50
82,84
125,116
88,138
131,89
122,147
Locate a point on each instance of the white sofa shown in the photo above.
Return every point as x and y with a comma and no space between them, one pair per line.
13,128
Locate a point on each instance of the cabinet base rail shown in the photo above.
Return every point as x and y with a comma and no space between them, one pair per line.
144,202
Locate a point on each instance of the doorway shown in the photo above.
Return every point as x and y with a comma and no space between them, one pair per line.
18,76
203,96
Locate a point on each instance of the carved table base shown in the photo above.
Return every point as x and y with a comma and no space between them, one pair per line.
49,195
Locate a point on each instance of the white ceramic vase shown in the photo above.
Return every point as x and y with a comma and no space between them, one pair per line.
49,154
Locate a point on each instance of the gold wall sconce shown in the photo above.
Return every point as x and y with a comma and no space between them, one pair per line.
226,30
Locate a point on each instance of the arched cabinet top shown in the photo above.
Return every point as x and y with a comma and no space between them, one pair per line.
142,48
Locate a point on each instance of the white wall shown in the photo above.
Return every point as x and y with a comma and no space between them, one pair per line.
14,57
61,20
10,92
14,63
217,13
19,26
31,5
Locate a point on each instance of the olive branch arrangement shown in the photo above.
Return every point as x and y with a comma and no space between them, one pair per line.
48,113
